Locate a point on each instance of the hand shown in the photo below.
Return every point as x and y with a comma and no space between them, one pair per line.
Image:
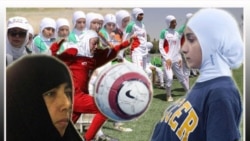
180,63
132,38
152,68
168,64
56,46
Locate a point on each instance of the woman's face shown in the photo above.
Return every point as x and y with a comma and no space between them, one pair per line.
16,37
48,32
110,27
63,31
58,102
93,44
125,21
173,24
140,17
80,24
192,49
95,25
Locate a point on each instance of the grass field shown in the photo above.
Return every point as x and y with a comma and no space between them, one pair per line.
142,127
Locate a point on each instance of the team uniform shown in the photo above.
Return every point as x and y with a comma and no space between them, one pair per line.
82,68
138,47
169,46
210,112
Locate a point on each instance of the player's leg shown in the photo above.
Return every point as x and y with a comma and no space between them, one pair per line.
169,80
159,73
84,103
180,76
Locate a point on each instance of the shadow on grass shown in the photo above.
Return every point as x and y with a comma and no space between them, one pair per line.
177,92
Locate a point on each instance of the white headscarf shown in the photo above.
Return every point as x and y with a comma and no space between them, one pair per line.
89,18
220,40
109,18
84,49
13,53
189,15
120,15
77,15
61,22
169,19
30,29
136,12
47,22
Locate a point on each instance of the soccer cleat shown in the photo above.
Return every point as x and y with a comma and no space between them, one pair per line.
170,99
123,129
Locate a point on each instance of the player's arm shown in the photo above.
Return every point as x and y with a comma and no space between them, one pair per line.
109,54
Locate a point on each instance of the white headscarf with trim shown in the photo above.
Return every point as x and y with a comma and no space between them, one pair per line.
84,47
219,36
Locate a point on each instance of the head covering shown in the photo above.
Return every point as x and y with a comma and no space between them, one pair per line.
84,49
47,22
30,29
149,45
189,15
136,12
61,22
89,18
169,19
13,53
221,44
19,22
28,116
109,18
120,15
100,16
77,15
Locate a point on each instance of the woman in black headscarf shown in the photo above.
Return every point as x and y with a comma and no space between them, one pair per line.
39,100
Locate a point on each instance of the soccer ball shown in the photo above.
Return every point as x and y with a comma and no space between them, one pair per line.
123,92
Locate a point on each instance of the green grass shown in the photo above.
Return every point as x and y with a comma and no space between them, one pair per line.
143,126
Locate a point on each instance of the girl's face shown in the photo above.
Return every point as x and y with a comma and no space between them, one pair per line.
48,32
110,27
100,24
80,24
58,102
140,17
95,25
63,31
93,44
17,37
125,22
192,49
173,24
